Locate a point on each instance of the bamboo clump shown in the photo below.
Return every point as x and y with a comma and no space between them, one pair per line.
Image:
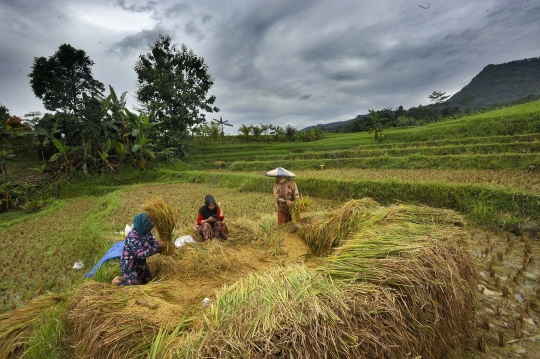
164,217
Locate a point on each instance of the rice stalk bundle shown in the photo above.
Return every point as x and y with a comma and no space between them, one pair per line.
298,206
102,323
164,217
209,261
244,229
325,234
17,326
424,214
291,312
432,277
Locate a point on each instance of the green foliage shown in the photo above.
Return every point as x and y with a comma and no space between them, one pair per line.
172,86
61,80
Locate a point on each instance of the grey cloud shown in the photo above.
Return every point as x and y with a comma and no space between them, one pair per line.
305,97
191,29
137,7
206,18
140,41
177,9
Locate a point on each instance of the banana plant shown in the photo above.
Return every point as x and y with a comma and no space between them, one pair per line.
5,157
63,151
141,128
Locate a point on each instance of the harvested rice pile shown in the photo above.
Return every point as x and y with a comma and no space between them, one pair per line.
385,282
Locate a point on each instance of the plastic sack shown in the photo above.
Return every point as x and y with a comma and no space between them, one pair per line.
180,241
78,265
127,229
206,302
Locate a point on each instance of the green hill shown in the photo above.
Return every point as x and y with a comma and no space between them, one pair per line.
501,84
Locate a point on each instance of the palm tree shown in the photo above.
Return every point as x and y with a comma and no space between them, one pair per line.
276,131
376,124
222,123
244,132
290,133
214,132
256,133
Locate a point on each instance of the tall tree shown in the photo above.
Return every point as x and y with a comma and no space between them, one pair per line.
61,80
438,97
172,86
64,82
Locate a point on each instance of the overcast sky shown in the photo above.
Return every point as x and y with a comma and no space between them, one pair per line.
282,62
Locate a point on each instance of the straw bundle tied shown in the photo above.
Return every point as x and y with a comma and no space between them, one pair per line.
17,326
289,312
103,324
324,234
164,217
429,273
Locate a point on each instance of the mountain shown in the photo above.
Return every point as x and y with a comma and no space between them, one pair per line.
503,84
500,84
337,124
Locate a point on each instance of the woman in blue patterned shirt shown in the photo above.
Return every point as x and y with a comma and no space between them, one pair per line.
139,244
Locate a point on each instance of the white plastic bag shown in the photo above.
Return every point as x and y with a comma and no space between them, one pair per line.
206,302
180,241
78,265
127,229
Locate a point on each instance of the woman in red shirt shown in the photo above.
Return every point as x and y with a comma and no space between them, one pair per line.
210,220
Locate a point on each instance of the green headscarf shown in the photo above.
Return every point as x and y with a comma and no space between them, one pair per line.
140,222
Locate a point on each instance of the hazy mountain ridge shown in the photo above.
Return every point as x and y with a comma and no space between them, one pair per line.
500,84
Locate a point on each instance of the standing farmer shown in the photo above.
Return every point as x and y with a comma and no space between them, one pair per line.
285,192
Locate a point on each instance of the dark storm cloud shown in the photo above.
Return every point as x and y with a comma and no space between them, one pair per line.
241,38
137,6
139,42
270,59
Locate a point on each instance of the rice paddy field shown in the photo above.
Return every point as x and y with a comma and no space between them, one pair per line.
424,245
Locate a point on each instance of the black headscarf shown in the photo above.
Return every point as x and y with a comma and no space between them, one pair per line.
205,211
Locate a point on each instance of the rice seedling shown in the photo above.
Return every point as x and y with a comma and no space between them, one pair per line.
164,217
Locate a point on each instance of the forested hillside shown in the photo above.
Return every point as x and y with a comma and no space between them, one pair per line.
501,84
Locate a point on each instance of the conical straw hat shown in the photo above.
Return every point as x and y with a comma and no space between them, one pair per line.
280,172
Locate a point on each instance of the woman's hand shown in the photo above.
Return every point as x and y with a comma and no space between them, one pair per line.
162,244
211,219
219,205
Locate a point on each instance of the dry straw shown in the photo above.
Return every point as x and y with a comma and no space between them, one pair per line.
289,312
164,217
17,326
430,275
326,233
103,322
